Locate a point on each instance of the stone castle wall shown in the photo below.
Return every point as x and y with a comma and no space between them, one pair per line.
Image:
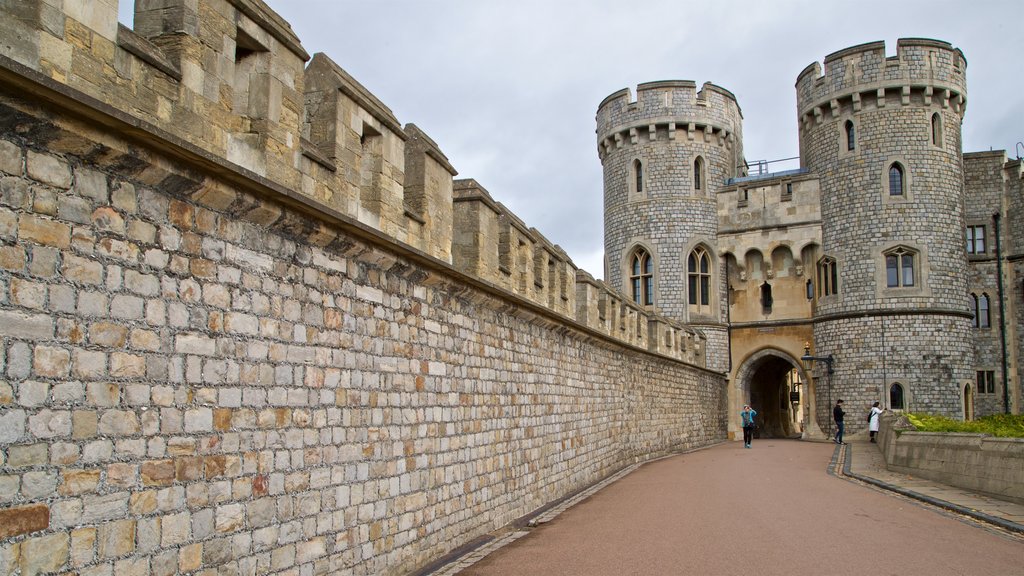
237,337
889,104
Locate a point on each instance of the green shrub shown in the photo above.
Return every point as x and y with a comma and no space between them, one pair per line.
1001,425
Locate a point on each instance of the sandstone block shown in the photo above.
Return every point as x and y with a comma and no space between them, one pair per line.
91,184
11,158
123,365
105,508
157,472
77,210
175,529
44,554
108,334
83,541
82,270
190,557
78,482
50,424
230,518
89,365
48,169
25,326
32,393
43,231
49,362
23,520
199,420
13,258
116,538
119,423
12,425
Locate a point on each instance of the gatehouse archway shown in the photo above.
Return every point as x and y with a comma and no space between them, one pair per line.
773,383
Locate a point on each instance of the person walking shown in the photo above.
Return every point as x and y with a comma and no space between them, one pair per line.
873,418
747,416
837,415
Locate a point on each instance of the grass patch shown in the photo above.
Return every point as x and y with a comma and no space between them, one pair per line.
1001,425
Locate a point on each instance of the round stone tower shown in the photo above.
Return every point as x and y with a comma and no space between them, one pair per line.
883,136
665,155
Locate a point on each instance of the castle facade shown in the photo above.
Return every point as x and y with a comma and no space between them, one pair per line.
888,251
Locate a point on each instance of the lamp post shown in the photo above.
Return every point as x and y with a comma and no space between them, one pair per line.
808,360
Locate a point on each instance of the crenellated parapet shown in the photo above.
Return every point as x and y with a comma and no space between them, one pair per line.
922,72
671,109
600,307
228,80
364,141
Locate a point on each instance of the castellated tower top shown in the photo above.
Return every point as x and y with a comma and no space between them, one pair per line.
932,67
672,104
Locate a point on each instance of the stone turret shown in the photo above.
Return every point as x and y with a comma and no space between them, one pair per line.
883,135
664,156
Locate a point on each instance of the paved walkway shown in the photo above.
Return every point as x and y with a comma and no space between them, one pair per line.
864,461
785,507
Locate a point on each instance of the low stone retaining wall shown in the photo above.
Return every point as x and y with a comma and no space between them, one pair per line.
978,462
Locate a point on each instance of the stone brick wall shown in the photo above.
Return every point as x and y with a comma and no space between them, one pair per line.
975,462
202,377
242,329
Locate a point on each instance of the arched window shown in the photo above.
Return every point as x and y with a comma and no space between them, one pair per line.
968,403
828,277
896,180
899,268
641,277
982,317
698,174
638,175
851,139
699,274
766,298
936,129
896,397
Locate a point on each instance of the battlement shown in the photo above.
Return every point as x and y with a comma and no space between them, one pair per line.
671,107
922,70
228,80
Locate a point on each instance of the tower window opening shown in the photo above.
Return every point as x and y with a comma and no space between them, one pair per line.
980,308
897,400
851,138
828,277
976,239
936,129
642,277
899,268
699,276
896,180
698,174
638,175
986,382
766,298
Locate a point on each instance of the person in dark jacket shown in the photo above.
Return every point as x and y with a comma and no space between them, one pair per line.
837,415
747,415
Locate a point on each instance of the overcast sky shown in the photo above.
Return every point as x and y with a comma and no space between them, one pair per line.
509,88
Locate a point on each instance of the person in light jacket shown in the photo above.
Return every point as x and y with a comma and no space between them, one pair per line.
873,418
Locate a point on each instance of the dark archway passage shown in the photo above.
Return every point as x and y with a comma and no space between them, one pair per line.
769,395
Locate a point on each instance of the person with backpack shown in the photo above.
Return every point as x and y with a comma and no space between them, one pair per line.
747,416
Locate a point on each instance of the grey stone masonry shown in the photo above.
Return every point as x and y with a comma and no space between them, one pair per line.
865,117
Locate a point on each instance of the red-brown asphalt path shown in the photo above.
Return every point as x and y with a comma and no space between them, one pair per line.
770,510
